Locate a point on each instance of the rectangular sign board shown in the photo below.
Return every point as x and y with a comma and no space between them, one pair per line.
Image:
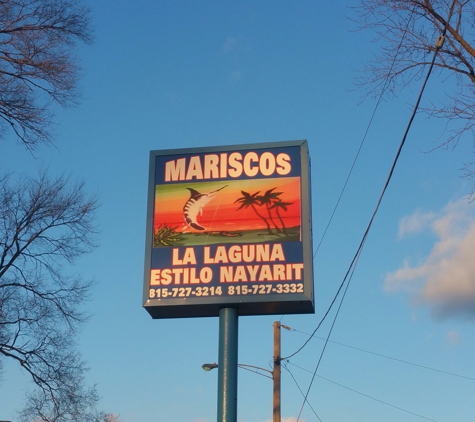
229,227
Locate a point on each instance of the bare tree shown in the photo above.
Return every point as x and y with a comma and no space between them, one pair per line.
409,30
71,408
109,417
37,64
45,223
68,406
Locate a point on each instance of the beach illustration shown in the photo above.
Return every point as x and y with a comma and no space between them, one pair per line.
230,211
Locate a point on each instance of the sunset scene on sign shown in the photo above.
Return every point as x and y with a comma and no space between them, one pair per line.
225,211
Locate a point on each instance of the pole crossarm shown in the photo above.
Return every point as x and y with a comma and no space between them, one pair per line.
256,370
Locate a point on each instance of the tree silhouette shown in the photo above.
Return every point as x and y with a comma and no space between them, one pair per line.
268,199
248,200
278,205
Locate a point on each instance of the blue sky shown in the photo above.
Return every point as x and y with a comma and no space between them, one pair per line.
190,74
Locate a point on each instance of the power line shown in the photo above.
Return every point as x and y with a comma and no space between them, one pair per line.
331,329
366,395
385,85
391,171
298,386
383,90
388,357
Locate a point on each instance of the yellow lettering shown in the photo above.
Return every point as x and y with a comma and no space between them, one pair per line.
235,164
175,257
262,253
193,278
266,273
211,166
175,170
166,276
248,253
206,258
206,275
240,274
298,268
189,256
267,164
225,274
279,272
283,164
277,253
253,271
223,165
155,277
235,253
194,169
221,255
249,169
177,272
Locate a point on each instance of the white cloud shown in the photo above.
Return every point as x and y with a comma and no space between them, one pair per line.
445,281
415,223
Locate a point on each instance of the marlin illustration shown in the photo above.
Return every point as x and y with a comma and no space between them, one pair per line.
194,206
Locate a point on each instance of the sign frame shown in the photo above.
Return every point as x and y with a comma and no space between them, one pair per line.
258,301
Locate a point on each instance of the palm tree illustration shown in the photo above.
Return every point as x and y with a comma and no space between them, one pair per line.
268,199
248,200
280,205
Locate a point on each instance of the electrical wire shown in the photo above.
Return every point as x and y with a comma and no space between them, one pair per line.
391,171
383,90
365,395
388,357
351,269
298,386
380,98
328,337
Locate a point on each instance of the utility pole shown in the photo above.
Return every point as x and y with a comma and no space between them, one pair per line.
276,373
227,368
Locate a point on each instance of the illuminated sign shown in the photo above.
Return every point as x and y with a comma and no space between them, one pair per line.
229,226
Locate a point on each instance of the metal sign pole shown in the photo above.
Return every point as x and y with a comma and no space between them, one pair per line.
227,365
276,373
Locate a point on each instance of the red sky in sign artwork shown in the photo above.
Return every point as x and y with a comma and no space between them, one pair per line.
222,213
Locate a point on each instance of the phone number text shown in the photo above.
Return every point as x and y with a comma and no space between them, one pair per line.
256,289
